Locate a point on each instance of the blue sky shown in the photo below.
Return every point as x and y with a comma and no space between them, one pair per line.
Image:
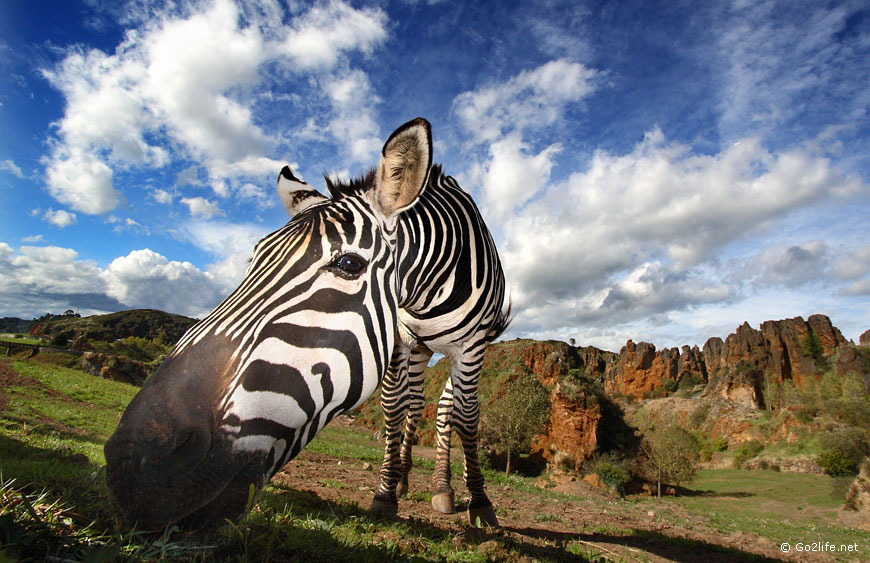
656,171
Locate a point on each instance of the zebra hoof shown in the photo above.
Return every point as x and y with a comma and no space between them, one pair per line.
443,503
483,517
402,488
384,507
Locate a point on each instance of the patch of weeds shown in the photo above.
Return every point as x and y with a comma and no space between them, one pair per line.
333,483
547,517
419,496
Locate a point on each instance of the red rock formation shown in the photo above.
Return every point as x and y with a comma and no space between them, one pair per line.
639,371
572,436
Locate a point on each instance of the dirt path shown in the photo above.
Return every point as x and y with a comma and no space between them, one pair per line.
602,524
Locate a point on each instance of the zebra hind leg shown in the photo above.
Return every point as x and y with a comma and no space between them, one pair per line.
466,421
442,496
416,403
394,401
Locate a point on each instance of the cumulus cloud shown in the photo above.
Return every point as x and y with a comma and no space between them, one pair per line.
201,207
854,267
599,232
60,218
789,265
145,278
82,181
352,122
513,174
183,87
37,279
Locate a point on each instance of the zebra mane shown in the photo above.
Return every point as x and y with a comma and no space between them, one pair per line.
340,189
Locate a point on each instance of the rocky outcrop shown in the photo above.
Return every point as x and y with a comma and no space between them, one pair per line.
856,511
116,368
642,372
573,431
740,367
864,339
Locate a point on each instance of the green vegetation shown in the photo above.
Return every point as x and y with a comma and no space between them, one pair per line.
613,473
161,327
668,455
520,413
54,503
843,450
783,507
745,452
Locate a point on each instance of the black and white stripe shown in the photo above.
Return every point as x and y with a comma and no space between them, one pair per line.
309,343
306,336
451,297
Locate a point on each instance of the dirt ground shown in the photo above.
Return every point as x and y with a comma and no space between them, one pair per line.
602,523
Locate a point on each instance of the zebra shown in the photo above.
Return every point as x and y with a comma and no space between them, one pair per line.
308,334
451,298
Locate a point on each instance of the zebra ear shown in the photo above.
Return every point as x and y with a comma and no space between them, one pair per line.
296,194
404,167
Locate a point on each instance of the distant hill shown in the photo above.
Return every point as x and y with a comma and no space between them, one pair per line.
142,323
14,324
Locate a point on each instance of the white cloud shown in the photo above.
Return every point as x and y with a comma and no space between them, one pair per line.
317,38
12,168
82,181
183,87
33,238
533,99
789,67
511,176
161,196
46,269
249,193
352,122
38,279
640,233
201,207
60,218
789,265
145,279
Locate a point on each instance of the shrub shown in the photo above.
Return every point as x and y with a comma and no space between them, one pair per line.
812,347
843,450
59,339
612,475
837,463
745,452
699,416
720,444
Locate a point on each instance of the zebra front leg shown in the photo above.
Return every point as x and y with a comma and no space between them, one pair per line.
394,401
466,422
416,403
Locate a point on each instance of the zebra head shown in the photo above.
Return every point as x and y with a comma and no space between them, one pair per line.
306,336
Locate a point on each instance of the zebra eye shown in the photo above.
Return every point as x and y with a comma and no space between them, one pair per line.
351,263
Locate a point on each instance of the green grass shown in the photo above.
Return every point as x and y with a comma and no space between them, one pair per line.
783,507
55,423
21,341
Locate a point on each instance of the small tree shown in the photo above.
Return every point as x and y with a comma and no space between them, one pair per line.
521,412
669,455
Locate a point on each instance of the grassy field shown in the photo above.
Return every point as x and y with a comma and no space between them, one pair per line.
54,503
